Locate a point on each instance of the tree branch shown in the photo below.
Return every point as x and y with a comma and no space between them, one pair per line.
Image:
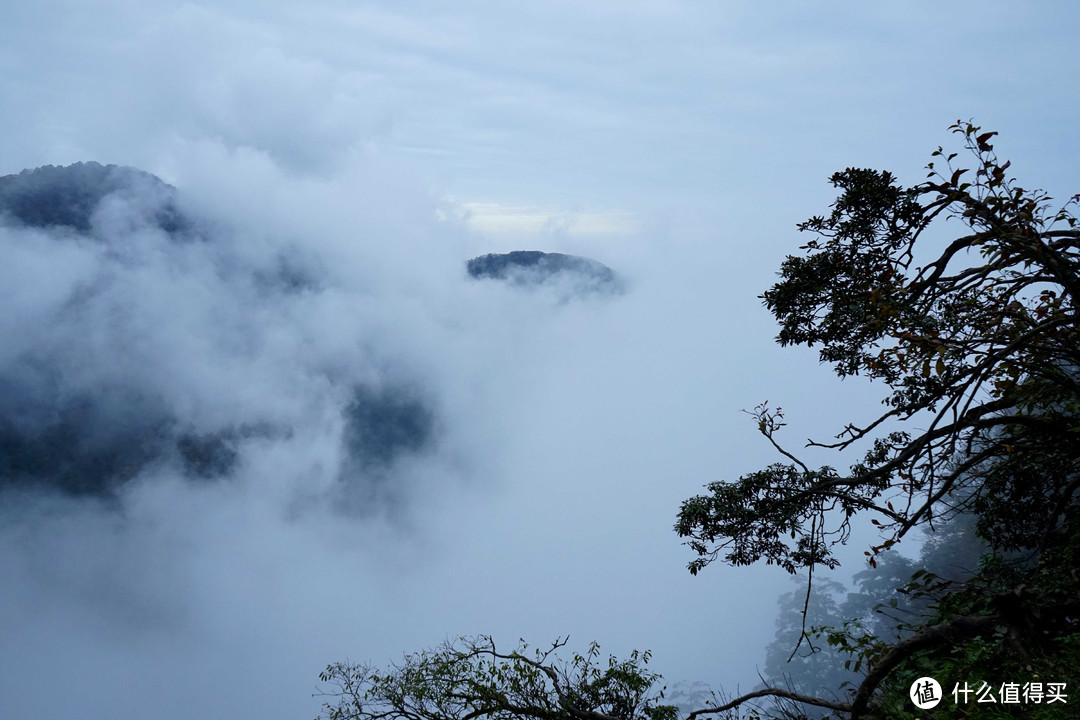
772,692
960,628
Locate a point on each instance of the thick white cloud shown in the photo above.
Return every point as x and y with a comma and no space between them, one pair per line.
566,435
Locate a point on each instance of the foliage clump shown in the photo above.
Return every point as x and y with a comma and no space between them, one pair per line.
471,678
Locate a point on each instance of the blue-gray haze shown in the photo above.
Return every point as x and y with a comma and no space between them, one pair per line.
256,416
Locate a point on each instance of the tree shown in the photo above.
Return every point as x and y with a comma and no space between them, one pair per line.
813,666
978,344
883,606
980,349
471,678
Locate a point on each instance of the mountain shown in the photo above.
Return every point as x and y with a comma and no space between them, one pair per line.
80,417
142,340
576,276
69,197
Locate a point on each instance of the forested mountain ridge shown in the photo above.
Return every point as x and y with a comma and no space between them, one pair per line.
68,196
121,279
71,422
532,268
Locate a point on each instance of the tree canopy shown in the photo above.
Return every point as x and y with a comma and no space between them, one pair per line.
981,344
976,340
979,347
471,678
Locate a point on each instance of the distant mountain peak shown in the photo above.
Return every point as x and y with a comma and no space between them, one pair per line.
529,268
68,196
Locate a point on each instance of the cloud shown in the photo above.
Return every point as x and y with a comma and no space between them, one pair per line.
284,406
513,222
325,440
230,79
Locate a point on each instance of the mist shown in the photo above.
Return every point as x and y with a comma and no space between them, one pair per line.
257,416
240,445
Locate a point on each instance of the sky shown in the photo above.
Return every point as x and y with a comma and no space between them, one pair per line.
377,146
